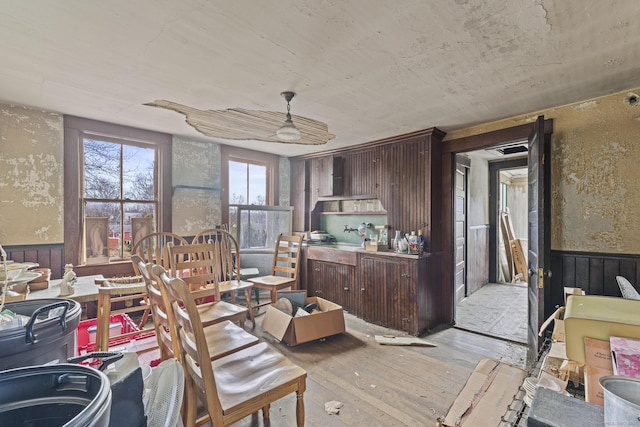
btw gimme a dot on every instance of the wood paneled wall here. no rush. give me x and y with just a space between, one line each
595 273
47 256
477 257
52 256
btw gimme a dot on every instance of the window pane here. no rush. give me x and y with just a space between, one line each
257 185
260 228
138 178
134 230
238 191
102 244
101 169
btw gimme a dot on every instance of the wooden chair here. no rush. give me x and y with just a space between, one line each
242 273
284 270
223 338
237 385
196 265
109 294
154 248
227 263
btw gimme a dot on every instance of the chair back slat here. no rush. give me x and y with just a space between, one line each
152 248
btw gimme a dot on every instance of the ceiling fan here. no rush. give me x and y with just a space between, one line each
258 125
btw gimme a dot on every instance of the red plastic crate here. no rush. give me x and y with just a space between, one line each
86 345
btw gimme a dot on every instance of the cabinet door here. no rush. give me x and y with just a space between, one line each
331 281
388 293
327 176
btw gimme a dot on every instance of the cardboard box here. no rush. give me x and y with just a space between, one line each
598 317
558 325
571 291
486 396
298 330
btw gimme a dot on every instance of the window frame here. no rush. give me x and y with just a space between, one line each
270 161
75 130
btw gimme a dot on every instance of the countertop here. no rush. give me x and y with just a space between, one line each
349 247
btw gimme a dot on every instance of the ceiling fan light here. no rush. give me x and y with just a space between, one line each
288 131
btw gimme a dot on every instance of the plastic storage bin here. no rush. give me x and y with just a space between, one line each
118 324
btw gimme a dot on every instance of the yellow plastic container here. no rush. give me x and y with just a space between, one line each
598 317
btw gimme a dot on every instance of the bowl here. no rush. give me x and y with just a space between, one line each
12 273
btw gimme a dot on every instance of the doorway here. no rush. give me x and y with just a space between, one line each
490 293
538 135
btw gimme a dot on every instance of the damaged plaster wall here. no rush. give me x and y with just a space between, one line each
31 176
196 164
595 178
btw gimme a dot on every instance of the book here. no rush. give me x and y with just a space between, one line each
625 354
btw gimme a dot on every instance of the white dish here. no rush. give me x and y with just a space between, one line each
25 277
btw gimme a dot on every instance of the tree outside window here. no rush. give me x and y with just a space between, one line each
119 183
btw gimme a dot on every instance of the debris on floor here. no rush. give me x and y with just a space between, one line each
333 407
394 340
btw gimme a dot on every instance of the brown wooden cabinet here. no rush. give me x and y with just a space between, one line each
389 288
382 288
332 282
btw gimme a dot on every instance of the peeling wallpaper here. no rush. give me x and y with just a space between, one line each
31 176
594 180
595 173
195 164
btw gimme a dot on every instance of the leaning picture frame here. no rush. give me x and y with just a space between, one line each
140 227
96 238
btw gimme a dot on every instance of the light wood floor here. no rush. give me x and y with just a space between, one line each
383 385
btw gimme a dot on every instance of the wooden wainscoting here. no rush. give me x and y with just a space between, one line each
595 273
52 256
477 257
49 256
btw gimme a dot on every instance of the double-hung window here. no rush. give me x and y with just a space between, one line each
117 189
120 196
250 180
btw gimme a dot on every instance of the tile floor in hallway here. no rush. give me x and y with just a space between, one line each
496 309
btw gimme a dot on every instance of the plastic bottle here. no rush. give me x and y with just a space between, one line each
422 244
413 243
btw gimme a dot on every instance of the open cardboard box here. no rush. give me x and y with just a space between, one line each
298 330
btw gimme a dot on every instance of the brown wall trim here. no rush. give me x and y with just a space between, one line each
368 145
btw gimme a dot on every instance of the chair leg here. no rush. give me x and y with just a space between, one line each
247 295
299 408
256 291
265 411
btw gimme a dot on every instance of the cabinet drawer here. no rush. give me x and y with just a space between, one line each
332 255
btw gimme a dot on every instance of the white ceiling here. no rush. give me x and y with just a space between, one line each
369 69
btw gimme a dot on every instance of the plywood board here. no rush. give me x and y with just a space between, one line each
394 340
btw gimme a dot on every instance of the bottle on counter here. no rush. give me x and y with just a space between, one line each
422 243
413 243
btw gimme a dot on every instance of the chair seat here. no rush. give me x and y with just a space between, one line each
272 281
216 312
234 285
260 368
226 337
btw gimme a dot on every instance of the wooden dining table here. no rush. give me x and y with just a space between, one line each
85 291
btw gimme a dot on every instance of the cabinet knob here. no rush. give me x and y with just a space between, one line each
346 288
407 275
362 289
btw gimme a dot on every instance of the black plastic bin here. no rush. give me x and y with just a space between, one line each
47 337
54 395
